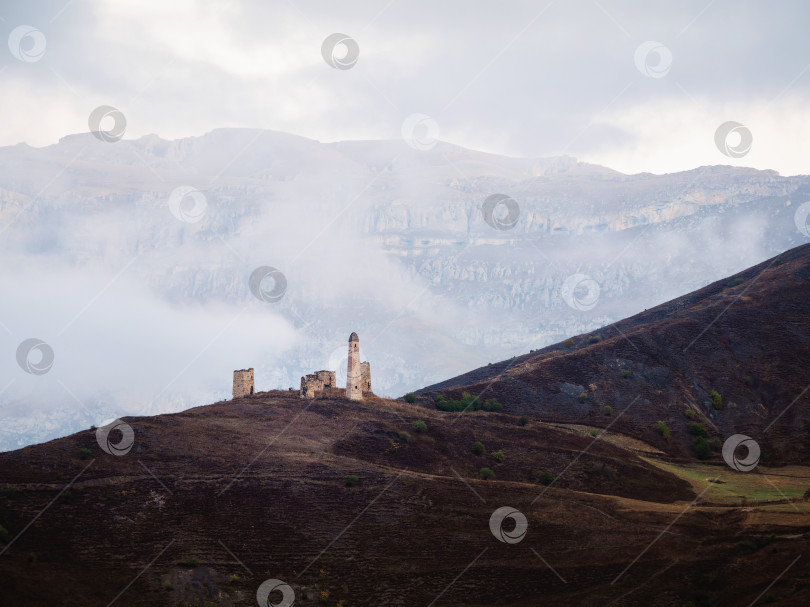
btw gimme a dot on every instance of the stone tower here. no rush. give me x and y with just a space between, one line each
243 383
354 372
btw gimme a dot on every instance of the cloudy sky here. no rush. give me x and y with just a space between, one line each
519 78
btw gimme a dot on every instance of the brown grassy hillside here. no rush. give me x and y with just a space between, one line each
746 337
212 501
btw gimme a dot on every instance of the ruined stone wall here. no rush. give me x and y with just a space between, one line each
318 383
365 378
243 383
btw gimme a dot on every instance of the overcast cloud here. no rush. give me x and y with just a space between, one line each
518 78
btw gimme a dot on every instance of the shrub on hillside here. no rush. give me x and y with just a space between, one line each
499 456
583 396
569 343
3 534
523 420
701 448
626 373
546 478
410 397
698 429
352 480
607 410
84 453
662 429
717 400
478 447
468 402
715 444
690 413
404 437
419 426
487 474
594 339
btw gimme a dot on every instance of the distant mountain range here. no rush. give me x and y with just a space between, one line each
135 284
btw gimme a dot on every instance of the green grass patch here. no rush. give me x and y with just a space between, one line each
753 487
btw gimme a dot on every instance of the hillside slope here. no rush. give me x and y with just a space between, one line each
746 337
212 501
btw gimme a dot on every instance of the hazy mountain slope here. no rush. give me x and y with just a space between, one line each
746 337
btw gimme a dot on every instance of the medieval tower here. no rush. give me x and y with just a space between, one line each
354 373
243 383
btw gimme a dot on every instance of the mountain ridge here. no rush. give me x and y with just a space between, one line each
650 348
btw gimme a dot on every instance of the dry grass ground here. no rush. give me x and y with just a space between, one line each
255 488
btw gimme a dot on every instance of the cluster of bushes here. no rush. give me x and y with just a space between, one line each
717 400
410 397
478 449
468 402
701 446
419 426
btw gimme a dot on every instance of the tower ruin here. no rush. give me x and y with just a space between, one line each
243 383
322 384
317 383
354 373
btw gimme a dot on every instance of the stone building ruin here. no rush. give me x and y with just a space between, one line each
358 377
243 383
317 383
321 383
